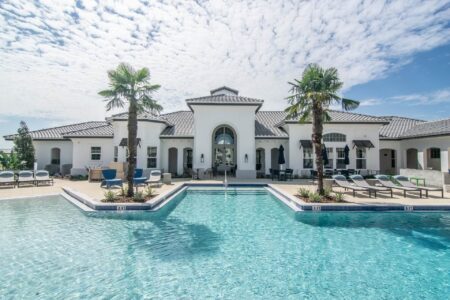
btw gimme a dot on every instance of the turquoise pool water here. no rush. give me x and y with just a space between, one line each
211 244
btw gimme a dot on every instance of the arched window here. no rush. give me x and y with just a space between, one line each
224 136
55 154
334 137
224 147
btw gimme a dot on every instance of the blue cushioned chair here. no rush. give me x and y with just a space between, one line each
138 179
109 178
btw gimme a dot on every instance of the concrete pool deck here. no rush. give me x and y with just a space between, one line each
288 189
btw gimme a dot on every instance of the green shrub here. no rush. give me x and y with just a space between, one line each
110 196
123 191
339 197
315 197
327 192
139 196
149 191
303 192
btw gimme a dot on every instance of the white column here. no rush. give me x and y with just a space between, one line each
445 161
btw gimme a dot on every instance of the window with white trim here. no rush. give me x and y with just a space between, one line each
435 153
96 153
361 156
340 158
334 137
151 157
307 158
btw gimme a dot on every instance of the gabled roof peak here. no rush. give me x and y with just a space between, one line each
224 90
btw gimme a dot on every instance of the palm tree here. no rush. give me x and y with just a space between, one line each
312 97
133 87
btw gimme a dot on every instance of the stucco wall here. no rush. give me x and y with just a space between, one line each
422 144
180 144
82 154
43 152
148 132
370 132
241 118
268 145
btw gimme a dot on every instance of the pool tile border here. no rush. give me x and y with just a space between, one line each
294 203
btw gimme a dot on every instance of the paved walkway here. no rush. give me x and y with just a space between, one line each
93 190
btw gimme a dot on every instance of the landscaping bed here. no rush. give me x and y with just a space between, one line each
120 196
313 197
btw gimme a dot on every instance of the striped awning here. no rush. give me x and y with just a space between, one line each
124 142
363 144
306 143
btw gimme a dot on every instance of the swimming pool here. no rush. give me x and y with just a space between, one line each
240 244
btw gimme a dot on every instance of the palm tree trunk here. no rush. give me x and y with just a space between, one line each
132 137
317 129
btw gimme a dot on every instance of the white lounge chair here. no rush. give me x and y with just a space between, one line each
342 182
404 181
7 178
25 177
361 182
43 176
384 181
155 177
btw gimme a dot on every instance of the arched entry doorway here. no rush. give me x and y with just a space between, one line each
388 161
260 162
412 161
55 156
187 160
224 148
274 159
173 160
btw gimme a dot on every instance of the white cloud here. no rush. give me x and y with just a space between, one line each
54 55
370 102
430 98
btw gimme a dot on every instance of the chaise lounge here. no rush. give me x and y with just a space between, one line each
43 177
25 177
384 181
7 179
342 182
361 182
403 180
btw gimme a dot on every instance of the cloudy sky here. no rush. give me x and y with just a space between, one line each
394 56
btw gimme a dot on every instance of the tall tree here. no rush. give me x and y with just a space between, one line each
23 146
132 87
310 101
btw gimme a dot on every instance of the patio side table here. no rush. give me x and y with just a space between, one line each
417 180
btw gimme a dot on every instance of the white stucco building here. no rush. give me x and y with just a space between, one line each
226 131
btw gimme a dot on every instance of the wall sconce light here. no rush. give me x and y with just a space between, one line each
202 158
246 157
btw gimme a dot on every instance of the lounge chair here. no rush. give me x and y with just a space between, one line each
25 177
342 182
43 176
361 182
109 179
138 179
384 181
7 178
404 181
155 177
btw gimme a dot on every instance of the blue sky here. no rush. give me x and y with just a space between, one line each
394 56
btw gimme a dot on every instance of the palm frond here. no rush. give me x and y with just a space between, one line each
348 104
